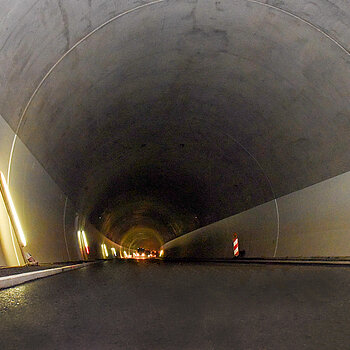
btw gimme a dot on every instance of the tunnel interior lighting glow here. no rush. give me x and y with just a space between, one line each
161 253
11 211
81 243
85 242
104 250
79 238
114 252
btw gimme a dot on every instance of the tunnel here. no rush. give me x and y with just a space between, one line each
174 125
212 136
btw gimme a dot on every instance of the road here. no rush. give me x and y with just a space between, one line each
158 305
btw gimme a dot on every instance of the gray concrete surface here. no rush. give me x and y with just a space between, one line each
49 218
312 222
129 305
20 278
207 108
9 271
200 74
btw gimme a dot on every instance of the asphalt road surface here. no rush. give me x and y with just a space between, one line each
158 305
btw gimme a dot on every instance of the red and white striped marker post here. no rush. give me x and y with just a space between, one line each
235 245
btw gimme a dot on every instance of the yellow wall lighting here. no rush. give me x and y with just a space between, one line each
11 211
114 251
104 250
79 240
161 253
85 242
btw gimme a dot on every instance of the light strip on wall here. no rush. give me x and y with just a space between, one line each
85 242
80 241
104 250
11 210
114 251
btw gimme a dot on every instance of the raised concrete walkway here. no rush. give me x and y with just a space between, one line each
17 277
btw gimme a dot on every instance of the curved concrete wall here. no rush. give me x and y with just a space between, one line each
313 222
47 216
214 108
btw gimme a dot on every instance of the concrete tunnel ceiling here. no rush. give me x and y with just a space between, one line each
181 113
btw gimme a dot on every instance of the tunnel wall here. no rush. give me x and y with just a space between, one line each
33 37
36 35
47 216
9 250
313 222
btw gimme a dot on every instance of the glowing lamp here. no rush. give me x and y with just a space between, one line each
85 242
114 252
11 211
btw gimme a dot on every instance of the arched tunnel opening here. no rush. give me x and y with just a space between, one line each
153 121
175 127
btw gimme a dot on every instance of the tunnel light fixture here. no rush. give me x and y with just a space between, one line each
114 252
104 250
125 254
82 245
79 239
161 253
11 211
85 242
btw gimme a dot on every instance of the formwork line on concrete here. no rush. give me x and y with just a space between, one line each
56 64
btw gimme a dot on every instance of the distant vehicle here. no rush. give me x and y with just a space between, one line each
154 254
147 253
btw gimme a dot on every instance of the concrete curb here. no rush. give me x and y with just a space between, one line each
265 261
14 280
295 262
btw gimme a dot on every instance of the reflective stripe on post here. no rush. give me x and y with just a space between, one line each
235 245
